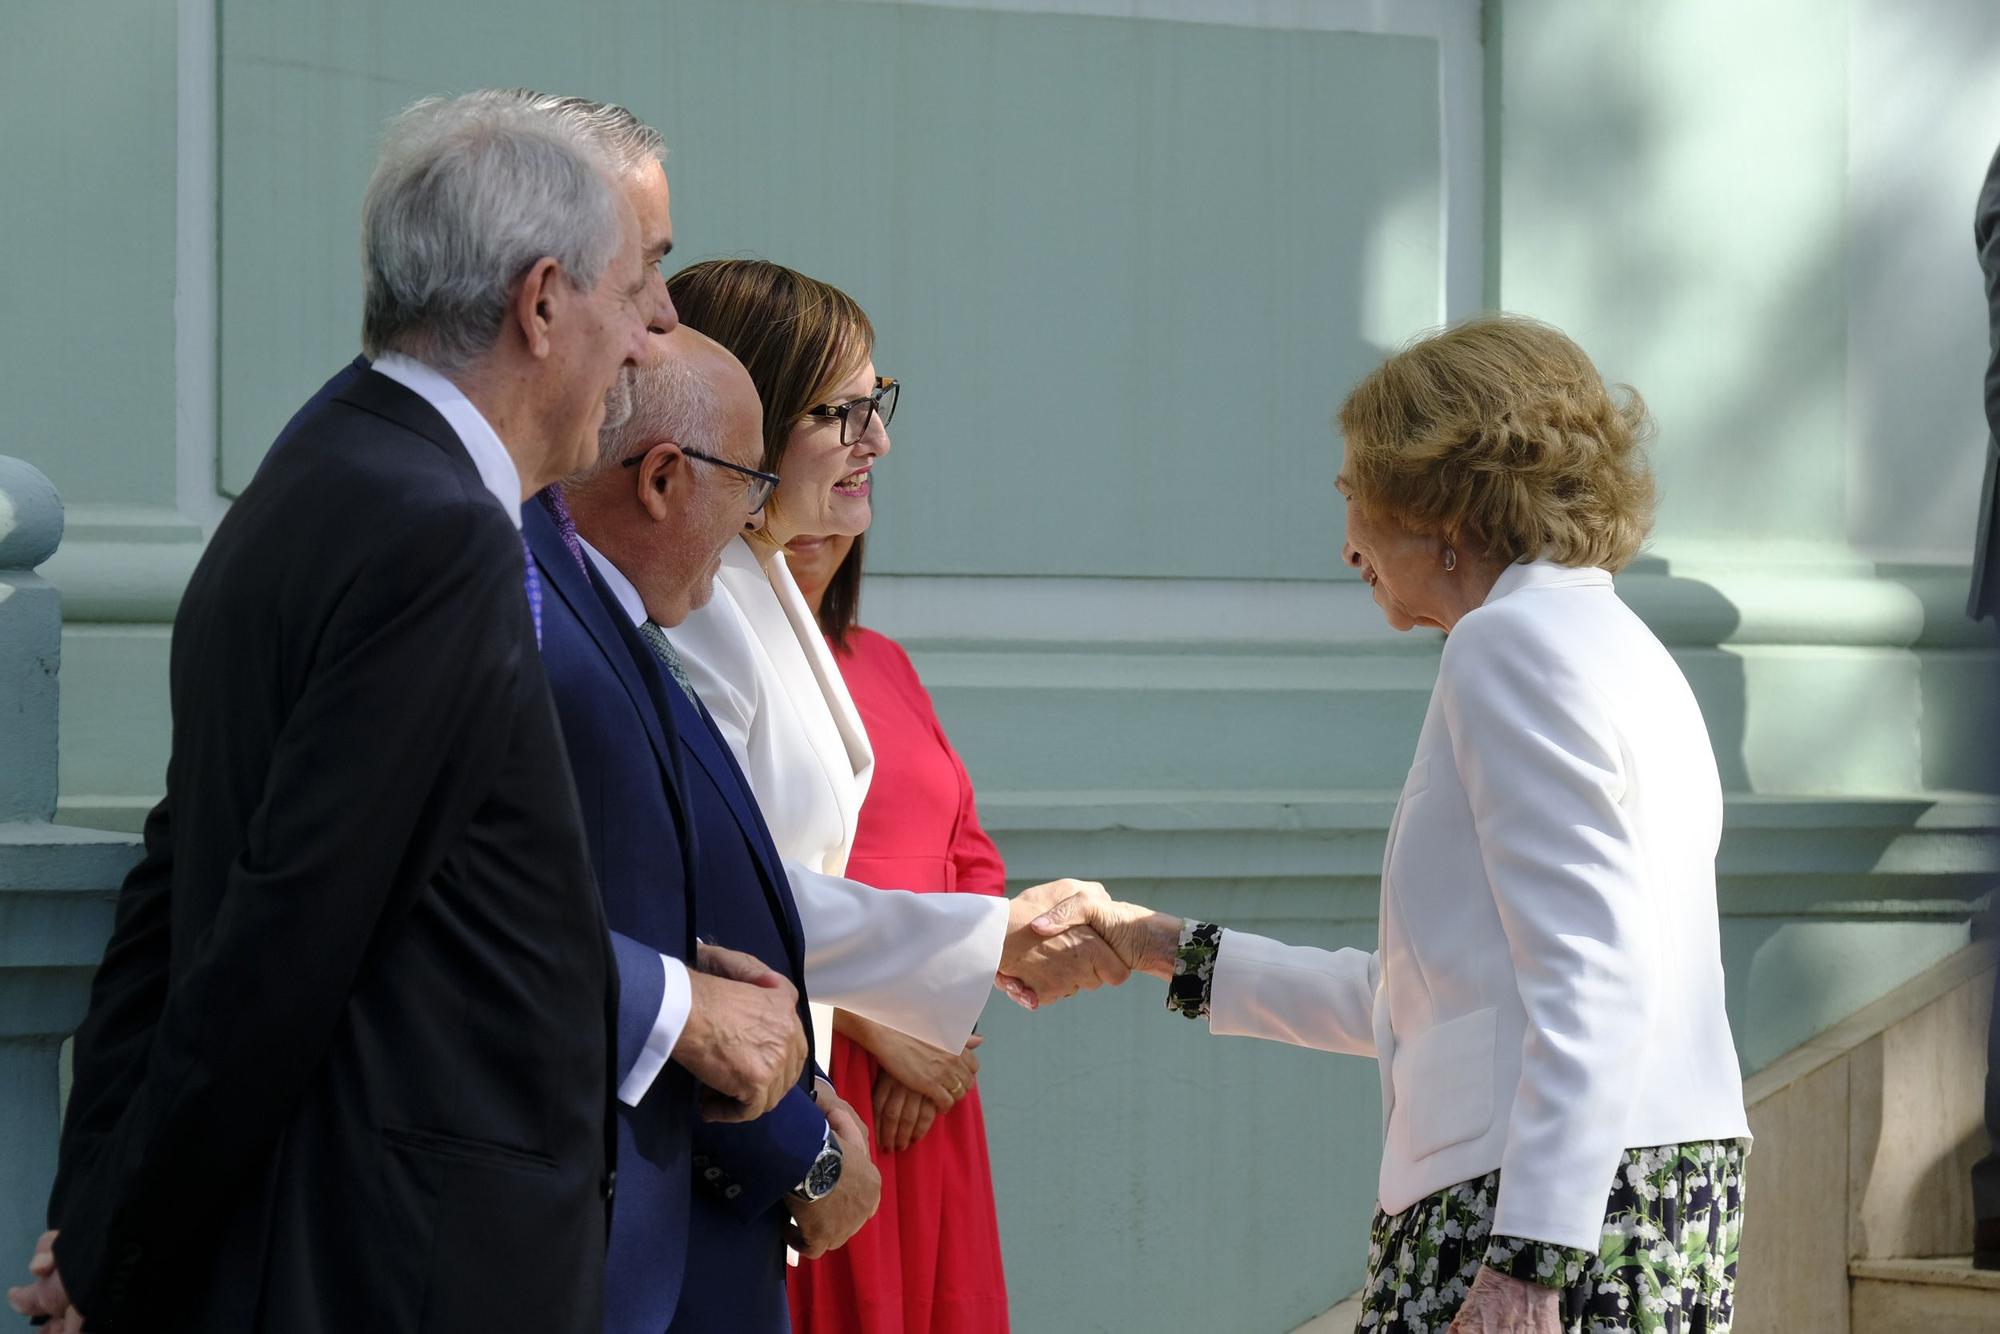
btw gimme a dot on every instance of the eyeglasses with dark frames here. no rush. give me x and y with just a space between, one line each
855 416
762 484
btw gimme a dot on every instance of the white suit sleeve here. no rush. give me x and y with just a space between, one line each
1308 997
922 964
1543 768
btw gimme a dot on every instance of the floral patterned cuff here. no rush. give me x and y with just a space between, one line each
1194 969
1541 1262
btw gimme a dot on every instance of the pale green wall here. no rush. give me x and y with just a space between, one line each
1118 296
88 212
1186 238
1671 191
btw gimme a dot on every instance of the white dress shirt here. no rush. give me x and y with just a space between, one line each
922 964
1547 990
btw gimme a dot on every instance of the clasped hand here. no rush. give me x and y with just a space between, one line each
821 1225
743 1038
43 1296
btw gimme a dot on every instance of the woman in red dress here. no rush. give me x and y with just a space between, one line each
929 1261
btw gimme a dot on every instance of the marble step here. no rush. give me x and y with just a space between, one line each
1936 1296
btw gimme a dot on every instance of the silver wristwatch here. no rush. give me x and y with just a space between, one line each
824 1174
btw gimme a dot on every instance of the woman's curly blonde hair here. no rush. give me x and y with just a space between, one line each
1499 434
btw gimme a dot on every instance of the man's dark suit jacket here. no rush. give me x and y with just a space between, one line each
1986 550
346 1064
667 809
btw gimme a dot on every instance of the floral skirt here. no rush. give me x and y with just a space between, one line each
1667 1260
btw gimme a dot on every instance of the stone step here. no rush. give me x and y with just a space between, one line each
1936 1296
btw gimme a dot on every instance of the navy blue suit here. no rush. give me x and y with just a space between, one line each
665 809
740 1218
627 769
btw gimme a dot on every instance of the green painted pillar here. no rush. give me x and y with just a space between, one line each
56 883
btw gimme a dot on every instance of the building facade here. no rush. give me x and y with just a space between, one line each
1126 257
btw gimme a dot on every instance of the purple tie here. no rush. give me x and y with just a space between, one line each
558 508
533 581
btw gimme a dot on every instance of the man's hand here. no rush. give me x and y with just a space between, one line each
743 1039
1050 965
44 1297
1498 1304
823 1225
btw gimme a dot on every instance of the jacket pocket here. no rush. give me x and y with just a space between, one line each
499 1238
464 1149
1444 1083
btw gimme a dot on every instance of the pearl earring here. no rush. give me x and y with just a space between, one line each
1450 559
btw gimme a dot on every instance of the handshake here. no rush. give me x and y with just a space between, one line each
744 1043
1068 936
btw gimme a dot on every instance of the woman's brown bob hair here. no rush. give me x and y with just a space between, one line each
1499 435
799 338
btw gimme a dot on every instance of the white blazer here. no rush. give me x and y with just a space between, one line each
920 963
1547 988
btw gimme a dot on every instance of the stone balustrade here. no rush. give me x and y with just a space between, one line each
57 883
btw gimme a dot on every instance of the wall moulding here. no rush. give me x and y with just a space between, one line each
1942 849
1741 601
127 564
124 564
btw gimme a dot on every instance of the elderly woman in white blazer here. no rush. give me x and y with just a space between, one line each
1563 1115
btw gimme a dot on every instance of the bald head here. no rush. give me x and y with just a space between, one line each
655 503
693 393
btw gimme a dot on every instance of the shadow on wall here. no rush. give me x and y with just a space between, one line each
1918 327
1620 223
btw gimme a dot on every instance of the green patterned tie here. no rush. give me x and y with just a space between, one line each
656 638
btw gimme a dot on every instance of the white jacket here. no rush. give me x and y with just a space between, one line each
1547 988
920 963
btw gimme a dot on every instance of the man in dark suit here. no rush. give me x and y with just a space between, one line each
666 813
1985 601
348 1059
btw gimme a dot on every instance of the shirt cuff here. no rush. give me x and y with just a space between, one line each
1194 969
1539 1262
676 1001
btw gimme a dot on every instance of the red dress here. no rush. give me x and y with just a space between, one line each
930 1258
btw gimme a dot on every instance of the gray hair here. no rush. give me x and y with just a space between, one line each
673 399
468 193
627 142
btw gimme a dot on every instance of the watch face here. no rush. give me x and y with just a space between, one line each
825 1175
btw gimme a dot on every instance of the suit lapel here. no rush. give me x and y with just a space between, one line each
782 622
561 578
706 747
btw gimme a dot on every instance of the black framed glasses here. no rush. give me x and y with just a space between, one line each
855 416
762 484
